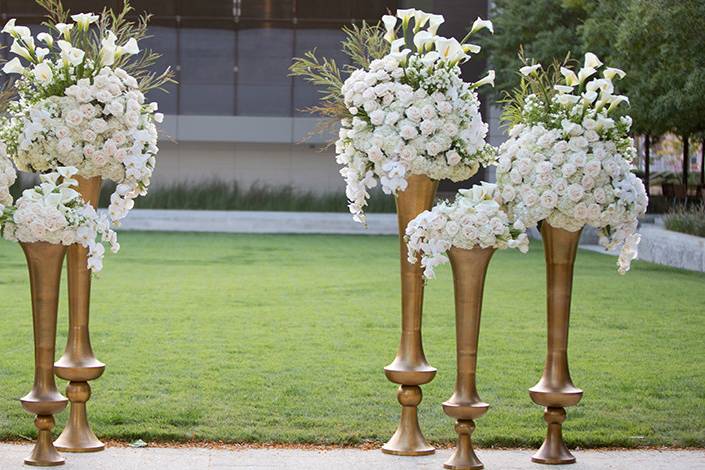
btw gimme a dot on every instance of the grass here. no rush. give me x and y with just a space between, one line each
283 339
690 220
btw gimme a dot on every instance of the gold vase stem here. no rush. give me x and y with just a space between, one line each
79 364
410 367
469 271
555 390
44 262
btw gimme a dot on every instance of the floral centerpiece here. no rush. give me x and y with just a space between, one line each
404 109
568 159
475 219
54 212
81 100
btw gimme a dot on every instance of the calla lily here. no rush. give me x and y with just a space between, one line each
529 69
471 48
591 61
84 20
108 49
422 39
570 78
390 23
16 31
589 97
14 66
397 45
563 89
46 38
611 72
130 48
20 51
481 24
602 84
488 80
405 16
585 73
420 19
41 53
616 101
449 49
567 99
71 55
64 29
43 73
434 21
9 27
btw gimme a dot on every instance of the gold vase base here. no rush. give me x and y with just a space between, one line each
44 454
464 457
407 439
553 451
77 436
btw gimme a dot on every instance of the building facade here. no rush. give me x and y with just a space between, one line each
236 114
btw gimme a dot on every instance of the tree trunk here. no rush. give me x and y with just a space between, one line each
647 164
686 161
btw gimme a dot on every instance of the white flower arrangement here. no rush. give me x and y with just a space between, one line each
568 159
410 113
475 219
54 212
80 107
7 177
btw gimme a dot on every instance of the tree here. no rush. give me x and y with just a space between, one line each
659 44
546 29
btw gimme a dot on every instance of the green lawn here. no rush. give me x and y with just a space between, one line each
283 339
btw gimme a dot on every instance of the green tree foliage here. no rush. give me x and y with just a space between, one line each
546 29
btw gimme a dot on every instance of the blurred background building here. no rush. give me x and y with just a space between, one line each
235 114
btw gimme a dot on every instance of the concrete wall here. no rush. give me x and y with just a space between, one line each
302 166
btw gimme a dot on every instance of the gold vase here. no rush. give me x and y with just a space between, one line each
410 368
555 390
44 262
465 405
79 365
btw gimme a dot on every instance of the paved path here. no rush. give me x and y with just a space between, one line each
11 457
257 222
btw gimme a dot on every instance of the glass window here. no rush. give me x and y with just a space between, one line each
207 76
22 8
263 82
164 40
326 40
85 6
372 10
266 9
323 9
207 8
164 8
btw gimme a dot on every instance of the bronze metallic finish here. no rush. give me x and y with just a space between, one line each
555 390
465 405
410 368
79 364
44 261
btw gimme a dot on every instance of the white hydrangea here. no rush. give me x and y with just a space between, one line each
475 219
54 212
410 114
7 177
572 166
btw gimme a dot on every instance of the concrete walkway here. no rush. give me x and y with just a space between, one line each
11 458
257 222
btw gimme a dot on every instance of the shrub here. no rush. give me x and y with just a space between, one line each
687 220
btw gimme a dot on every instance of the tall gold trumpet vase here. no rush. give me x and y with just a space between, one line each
410 368
79 365
555 390
465 405
44 261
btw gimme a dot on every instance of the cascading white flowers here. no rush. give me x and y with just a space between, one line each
54 212
411 113
78 107
568 159
7 178
476 218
